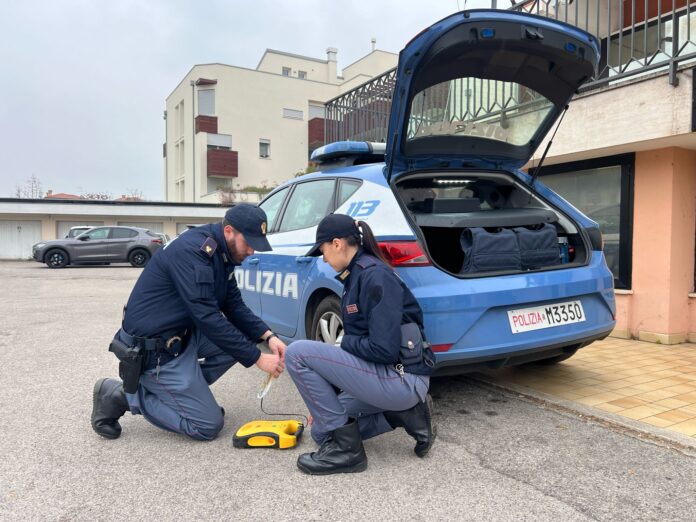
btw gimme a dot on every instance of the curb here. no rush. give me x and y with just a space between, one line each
633 428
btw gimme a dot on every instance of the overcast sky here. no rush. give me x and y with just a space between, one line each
83 83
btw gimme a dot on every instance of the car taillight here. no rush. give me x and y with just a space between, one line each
158 241
404 253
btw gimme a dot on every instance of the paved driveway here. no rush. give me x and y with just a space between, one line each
497 457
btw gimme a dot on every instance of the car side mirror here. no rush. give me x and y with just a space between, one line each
83 238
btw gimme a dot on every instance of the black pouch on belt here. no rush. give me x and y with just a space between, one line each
131 364
411 351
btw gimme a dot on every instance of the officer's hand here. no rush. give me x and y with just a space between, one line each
278 347
270 363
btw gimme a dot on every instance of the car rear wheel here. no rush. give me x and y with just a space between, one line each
327 325
56 258
139 258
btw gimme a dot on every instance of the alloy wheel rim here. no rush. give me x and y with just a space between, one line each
139 259
330 329
56 259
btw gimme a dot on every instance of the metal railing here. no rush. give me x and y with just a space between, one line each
363 113
638 37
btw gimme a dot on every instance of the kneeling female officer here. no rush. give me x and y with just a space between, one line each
378 392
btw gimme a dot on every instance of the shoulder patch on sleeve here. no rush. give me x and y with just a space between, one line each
366 261
209 246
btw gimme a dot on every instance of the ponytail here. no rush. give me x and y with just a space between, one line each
369 243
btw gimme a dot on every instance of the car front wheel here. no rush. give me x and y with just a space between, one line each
327 325
139 258
56 258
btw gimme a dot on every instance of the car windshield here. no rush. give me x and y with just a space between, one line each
490 109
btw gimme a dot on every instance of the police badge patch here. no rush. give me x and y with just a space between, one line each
209 246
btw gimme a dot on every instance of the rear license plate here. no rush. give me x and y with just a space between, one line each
538 317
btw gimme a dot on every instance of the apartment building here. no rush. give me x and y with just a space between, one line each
234 128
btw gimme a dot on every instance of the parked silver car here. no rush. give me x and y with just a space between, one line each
100 245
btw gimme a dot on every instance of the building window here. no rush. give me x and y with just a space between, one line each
316 111
602 189
179 120
302 75
264 148
206 102
292 114
286 71
180 156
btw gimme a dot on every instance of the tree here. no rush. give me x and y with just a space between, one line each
31 189
135 194
312 167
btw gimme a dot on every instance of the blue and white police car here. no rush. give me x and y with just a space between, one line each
505 270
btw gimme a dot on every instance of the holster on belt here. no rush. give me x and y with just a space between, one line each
131 364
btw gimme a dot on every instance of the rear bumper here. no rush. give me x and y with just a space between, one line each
472 315
492 362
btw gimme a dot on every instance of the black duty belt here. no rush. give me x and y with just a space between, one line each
172 344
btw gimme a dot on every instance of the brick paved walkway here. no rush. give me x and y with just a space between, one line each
648 382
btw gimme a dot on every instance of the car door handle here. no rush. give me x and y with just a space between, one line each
304 259
253 261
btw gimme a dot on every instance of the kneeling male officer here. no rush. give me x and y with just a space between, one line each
184 307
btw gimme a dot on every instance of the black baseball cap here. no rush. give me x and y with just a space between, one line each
251 221
331 227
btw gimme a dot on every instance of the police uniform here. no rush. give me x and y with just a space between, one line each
374 305
184 307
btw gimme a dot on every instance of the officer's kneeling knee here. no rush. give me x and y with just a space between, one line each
293 355
208 430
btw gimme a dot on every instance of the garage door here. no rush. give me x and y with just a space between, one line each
17 238
62 227
153 227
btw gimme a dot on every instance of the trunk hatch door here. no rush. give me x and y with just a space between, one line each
481 89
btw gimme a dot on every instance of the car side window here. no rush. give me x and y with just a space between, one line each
309 203
346 189
98 233
123 233
272 205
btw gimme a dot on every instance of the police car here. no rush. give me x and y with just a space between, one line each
505 270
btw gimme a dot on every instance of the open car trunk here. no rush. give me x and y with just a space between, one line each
488 223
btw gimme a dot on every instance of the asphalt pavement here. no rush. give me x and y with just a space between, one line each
498 456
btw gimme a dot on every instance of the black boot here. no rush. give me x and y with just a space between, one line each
341 452
418 423
109 404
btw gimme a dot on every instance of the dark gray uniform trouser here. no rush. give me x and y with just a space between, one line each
179 399
367 388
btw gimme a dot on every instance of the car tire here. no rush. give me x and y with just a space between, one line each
327 325
139 258
56 258
556 359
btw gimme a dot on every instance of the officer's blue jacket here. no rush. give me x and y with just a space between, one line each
374 305
190 283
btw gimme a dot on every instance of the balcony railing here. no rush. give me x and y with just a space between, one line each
638 37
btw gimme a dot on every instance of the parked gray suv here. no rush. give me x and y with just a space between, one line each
100 245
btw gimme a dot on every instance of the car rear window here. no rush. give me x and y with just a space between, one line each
123 233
